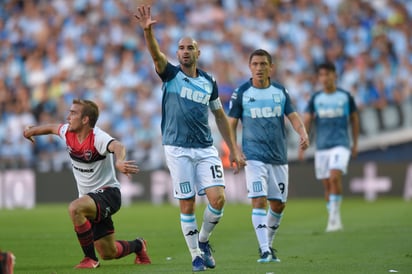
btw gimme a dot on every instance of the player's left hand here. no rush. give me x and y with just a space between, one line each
127 167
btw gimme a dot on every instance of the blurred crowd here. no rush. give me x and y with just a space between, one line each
52 51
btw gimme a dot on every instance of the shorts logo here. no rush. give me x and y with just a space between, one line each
257 186
185 187
107 212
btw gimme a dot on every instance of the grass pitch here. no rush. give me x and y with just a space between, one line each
377 239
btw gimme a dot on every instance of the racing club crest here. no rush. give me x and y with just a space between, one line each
276 98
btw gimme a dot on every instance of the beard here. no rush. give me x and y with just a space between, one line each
186 62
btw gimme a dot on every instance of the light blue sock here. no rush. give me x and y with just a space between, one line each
334 206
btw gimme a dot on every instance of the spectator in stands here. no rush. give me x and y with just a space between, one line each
64 44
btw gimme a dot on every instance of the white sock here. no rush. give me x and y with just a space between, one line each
334 207
273 225
190 232
259 223
211 217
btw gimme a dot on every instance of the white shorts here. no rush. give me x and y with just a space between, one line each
328 159
267 180
193 170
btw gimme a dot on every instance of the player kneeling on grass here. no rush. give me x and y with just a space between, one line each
91 151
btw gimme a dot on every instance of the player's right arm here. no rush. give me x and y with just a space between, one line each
31 131
144 17
307 121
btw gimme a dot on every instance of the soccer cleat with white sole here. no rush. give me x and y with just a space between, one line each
334 226
88 263
265 257
274 257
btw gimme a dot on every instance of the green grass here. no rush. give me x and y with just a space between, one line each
376 239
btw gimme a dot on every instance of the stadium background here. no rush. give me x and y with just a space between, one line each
54 51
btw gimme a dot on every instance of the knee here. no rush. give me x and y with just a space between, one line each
74 209
187 206
259 202
334 179
277 206
106 253
218 202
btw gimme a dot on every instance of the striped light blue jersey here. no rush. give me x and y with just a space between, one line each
262 112
185 108
332 112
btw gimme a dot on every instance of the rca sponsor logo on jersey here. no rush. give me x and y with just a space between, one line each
195 95
266 112
331 112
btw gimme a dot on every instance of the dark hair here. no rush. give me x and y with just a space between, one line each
329 66
261 52
90 109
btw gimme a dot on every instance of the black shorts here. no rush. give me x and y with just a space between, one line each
108 201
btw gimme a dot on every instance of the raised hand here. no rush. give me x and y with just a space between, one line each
144 17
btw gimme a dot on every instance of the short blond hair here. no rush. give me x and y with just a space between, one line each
90 109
